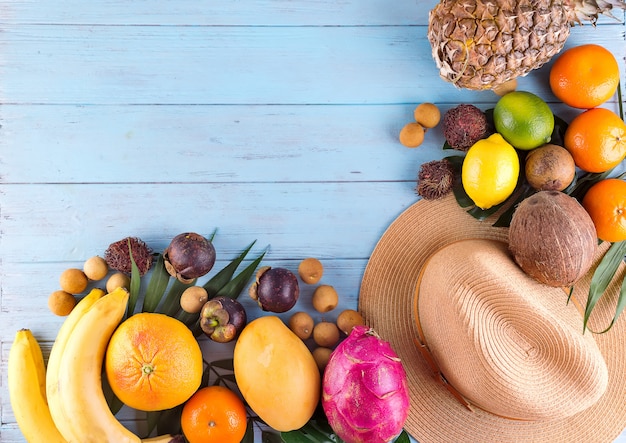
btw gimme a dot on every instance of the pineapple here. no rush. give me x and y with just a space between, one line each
480 44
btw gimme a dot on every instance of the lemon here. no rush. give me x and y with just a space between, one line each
490 171
523 119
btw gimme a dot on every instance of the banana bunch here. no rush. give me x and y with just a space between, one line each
66 403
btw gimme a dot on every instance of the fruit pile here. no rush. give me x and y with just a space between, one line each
145 331
552 182
138 345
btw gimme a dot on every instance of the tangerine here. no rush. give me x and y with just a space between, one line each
153 362
606 204
596 139
584 76
214 414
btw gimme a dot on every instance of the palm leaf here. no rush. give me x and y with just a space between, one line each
270 437
601 278
171 302
248 437
159 280
219 280
233 288
135 283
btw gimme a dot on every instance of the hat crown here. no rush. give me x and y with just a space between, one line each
507 343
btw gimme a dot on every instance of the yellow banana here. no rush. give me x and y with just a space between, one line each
27 392
54 360
82 402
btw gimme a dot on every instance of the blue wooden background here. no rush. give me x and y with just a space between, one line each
271 120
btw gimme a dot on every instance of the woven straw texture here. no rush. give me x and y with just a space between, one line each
386 302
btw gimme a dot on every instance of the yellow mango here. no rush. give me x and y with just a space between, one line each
276 374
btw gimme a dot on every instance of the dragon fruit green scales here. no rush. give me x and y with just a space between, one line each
364 390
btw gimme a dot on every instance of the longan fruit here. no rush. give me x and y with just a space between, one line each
348 319
61 303
118 280
325 298
95 268
505 87
73 280
193 299
301 323
427 115
321 356
412 135
326 334
310 270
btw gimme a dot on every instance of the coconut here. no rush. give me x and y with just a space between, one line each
552 238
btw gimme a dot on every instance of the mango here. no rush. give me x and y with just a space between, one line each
276 374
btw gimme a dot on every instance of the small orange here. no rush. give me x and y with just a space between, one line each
153 362
596 139
606 204
584 76
214 414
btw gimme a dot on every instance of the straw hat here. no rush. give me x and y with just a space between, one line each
526 372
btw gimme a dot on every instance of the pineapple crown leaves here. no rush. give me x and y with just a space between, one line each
581 11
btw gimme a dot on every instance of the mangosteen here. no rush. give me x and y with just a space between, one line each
464 125
222 319
189 256
275 289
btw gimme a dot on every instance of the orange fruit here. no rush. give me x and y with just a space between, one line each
606 204
153 362
214 414
584 76
596 139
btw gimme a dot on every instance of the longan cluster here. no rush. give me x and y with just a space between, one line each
74 281
325 334
427 116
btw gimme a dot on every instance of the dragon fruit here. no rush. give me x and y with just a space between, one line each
364 390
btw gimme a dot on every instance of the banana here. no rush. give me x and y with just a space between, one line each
27 390
81 400
82 413
54 360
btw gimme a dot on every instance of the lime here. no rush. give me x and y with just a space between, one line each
490 171
523 119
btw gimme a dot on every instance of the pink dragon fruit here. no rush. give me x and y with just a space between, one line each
364 390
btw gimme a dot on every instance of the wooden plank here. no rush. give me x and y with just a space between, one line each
58 223
257 65
210 144
220 13
232 13
199 144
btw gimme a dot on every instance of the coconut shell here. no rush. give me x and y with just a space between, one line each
552 238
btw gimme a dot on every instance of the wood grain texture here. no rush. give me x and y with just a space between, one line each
85 64
271 120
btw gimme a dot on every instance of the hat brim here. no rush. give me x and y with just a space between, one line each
386 301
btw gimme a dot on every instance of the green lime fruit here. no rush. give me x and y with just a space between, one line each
524 120
490 171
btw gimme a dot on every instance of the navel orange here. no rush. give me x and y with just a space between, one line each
214 414
606 204
596 139
584 76
153 362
